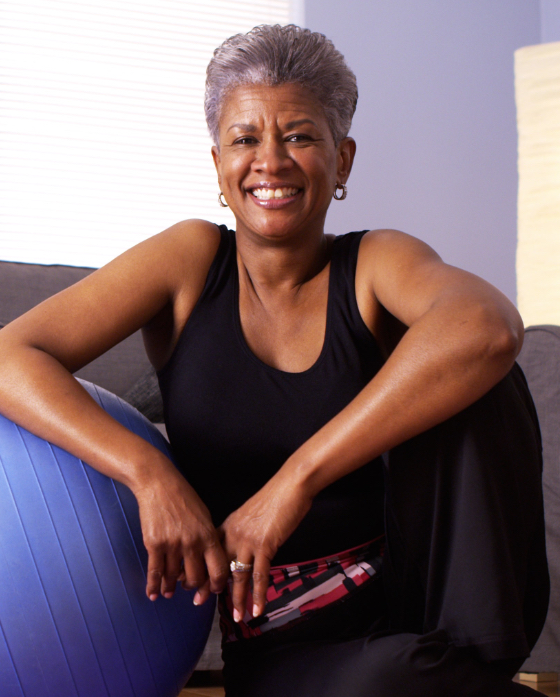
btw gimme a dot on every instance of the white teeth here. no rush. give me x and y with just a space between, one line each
266 194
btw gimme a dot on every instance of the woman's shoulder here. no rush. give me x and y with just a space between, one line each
389 253
192 242
181 256
392 268
390 240
172 263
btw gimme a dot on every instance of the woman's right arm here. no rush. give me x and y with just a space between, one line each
154 285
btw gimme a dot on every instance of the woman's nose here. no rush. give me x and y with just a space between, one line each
272 156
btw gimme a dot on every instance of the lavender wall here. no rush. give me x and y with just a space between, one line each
550 21
435 126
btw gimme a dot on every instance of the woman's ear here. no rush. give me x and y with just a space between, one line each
346 150
217 163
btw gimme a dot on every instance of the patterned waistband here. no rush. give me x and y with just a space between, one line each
297 590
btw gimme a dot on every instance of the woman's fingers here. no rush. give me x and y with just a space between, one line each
261 570
218 572
156 567
218 567
164 571
254 580
183 545
189 568
241 587
202 593
195 570
207 573
173 570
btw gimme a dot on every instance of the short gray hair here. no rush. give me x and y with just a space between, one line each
276 55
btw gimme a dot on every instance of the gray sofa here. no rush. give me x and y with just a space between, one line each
540 360
124 370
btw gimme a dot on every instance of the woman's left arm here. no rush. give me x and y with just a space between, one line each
463 336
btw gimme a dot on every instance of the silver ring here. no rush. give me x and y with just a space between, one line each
237 567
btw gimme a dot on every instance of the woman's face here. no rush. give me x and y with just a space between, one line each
277 162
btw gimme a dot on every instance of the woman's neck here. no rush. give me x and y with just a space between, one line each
272 267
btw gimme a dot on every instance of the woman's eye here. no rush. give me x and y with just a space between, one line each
245 140
299 138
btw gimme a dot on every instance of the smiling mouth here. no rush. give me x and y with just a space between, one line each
279 193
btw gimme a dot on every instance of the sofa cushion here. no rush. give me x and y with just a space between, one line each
146 397
23 286
26 285
540 360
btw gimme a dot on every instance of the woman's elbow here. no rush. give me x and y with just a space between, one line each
503 337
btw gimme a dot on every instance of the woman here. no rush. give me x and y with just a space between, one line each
289 361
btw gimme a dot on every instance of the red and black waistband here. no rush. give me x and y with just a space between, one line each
295 591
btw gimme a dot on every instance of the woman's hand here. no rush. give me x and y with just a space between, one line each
181 540
253 533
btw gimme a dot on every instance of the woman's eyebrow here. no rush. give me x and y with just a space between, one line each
243 126
249 127
299 122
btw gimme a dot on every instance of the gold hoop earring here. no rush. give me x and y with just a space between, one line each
222 203
344 189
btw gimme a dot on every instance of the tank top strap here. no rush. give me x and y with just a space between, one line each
344 306
220 275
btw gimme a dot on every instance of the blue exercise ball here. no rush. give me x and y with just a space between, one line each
74 617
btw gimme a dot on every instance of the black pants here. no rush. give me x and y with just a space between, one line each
464 591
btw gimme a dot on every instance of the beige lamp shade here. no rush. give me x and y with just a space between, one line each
537 91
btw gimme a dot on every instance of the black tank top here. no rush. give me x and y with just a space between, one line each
233 420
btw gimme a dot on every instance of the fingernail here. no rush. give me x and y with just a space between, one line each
256 611
168 595
153 596
236 615
197 599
